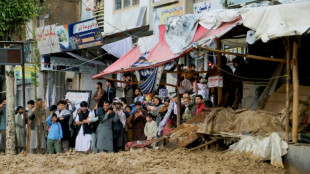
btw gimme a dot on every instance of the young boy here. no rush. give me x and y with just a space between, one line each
54 134
63 116
150 128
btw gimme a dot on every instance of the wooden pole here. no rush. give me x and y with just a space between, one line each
203 145
296 93
288 54
178 95
246 55
134 83
219 64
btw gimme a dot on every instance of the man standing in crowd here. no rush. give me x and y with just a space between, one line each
100 93
110 91
189 109
20 129
3 122
37 138
63 116
104 134
129 90
84 138
138 121
200 106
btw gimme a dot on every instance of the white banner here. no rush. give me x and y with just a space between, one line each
47 39
85 26
202 7
215 81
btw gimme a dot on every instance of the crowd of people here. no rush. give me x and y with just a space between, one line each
113 121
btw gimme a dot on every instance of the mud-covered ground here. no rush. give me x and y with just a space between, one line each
149 161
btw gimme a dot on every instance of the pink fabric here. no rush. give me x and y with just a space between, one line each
124 62
161 53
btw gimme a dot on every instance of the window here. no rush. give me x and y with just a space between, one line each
126 3
123 4
118 4
135 2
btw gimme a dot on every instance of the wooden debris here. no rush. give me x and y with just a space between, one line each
203 145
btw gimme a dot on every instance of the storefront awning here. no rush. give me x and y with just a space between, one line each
161 53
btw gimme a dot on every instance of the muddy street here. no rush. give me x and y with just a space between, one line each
149 161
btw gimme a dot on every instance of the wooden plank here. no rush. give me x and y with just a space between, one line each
295 92
184 141
183 138
180 132
203 145
246 55
178 95
175 130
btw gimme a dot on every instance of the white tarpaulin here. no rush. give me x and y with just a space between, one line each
278 20
267 148
47 39
119 48
180 31
213 19
147 43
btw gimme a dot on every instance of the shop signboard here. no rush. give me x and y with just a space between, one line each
163 93
206 6
11 56
47 39
237 2
161 13
30 69
215 81
79 35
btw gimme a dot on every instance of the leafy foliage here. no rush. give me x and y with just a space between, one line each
14 14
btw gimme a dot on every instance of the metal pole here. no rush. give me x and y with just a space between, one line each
24 86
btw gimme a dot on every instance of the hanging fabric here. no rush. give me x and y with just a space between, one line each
149 79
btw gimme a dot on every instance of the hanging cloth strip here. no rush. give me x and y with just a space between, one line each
149 79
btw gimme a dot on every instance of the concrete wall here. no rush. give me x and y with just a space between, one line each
89 84
297 161
125 18
62 11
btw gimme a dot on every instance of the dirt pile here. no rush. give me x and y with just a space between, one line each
149 161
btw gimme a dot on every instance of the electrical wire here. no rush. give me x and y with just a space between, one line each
132 35
252 78
84 62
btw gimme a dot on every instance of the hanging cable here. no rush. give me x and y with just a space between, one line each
246 78
85 62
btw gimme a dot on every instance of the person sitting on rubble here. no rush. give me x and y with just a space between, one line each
200 106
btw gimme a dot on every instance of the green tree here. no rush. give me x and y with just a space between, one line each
14 15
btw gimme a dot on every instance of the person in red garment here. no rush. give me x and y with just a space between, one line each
200 106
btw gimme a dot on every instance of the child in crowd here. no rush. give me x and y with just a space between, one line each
150 128
201 87
54 134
